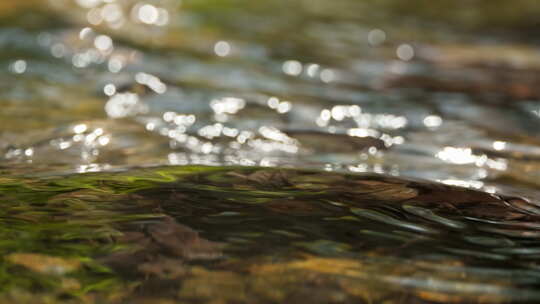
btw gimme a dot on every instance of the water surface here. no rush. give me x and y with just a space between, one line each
137 141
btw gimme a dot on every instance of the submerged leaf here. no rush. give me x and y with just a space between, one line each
182 241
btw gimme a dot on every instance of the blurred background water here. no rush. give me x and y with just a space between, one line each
447 91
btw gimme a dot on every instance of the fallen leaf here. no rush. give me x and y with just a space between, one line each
183 241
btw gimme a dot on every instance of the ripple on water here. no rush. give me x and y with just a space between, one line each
346 86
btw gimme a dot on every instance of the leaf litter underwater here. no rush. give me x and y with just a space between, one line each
198 234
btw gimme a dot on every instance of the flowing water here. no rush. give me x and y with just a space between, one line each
297 151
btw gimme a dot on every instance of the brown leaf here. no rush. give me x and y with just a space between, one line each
183 241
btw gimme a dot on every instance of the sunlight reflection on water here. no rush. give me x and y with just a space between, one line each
344 101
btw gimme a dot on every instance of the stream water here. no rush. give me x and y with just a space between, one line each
231 151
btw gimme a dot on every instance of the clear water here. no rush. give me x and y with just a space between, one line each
371 95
